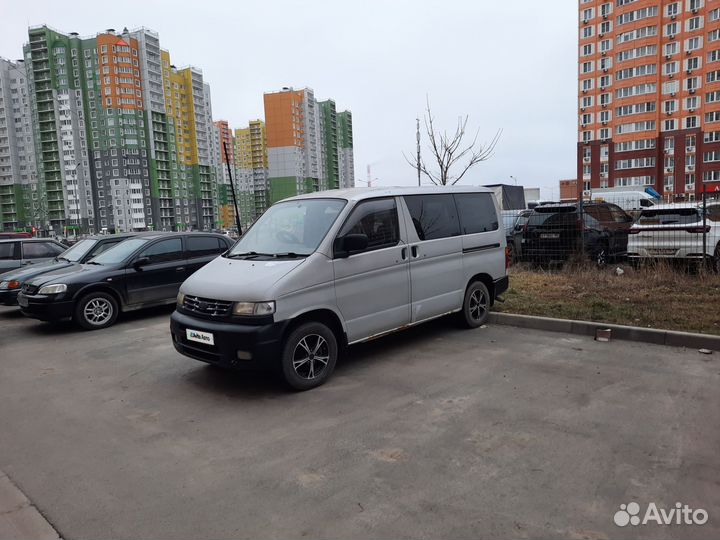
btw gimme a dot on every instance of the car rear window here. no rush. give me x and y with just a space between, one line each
670 216
7 250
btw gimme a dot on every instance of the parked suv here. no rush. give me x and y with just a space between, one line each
140 272
18 252
322 270
675 231
81 252
555 232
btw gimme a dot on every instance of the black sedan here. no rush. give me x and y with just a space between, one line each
81 252
143 271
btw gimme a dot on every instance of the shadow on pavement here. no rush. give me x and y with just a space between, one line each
256 383
10 312
68 327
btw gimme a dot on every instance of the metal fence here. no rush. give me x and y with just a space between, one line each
624 230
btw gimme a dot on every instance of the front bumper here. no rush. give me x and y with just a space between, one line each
45 307
236 345
8 297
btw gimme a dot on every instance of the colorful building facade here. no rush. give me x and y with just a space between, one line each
649 96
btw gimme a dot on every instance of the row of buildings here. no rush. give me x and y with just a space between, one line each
649 96
106 134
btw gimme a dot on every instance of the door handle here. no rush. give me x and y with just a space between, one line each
414 251
180 269
403 253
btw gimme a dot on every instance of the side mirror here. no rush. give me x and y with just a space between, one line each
350 243
142 261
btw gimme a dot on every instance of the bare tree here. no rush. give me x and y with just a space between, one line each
450 151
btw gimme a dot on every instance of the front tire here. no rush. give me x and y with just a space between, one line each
716 259
96 310
476 306
309 356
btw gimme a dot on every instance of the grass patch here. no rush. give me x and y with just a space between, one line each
659 296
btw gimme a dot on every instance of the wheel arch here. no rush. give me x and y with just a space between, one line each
99 287
485 279
323 315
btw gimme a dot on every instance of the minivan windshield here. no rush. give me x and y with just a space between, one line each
289 229
120 252
77 251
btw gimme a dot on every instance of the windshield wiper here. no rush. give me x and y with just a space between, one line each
290 255
93 262
62 259
245 255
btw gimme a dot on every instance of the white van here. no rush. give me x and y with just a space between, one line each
320 271
627 200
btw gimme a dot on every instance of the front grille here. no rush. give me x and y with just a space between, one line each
30 289
207 306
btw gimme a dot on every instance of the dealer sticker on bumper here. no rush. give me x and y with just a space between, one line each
201 337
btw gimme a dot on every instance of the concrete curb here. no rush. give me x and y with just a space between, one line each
629 333
19 518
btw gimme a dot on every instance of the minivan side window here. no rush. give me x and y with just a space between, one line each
378 220
477 212
434 216
201 246
165 250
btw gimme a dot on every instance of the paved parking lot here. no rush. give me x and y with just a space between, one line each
436 432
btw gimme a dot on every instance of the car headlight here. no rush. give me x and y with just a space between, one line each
57 288
4 285
13 284
180 298
253 308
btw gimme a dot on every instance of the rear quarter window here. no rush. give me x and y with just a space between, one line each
477 213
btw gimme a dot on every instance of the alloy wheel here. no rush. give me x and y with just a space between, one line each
311 356
477 305
98 311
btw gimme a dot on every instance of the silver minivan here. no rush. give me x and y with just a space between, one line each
324 270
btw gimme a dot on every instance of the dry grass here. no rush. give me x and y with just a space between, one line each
654 297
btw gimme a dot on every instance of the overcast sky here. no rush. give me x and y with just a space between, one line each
509 65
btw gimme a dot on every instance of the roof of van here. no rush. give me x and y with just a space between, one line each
356 194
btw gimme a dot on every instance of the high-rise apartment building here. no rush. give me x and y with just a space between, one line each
251 161
123 140
346 161
294 155
649 95
302 141
19 206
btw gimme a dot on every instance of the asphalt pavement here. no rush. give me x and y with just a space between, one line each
497 432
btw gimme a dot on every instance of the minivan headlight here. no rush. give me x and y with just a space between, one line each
56 288
253 308
180 298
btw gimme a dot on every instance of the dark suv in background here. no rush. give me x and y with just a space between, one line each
82 251
143 271
554 232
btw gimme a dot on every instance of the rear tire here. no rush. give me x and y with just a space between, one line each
476 305
96 310
716 259
309 356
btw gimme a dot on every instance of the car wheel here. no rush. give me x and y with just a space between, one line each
96 310
476 306
716 259
309 356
